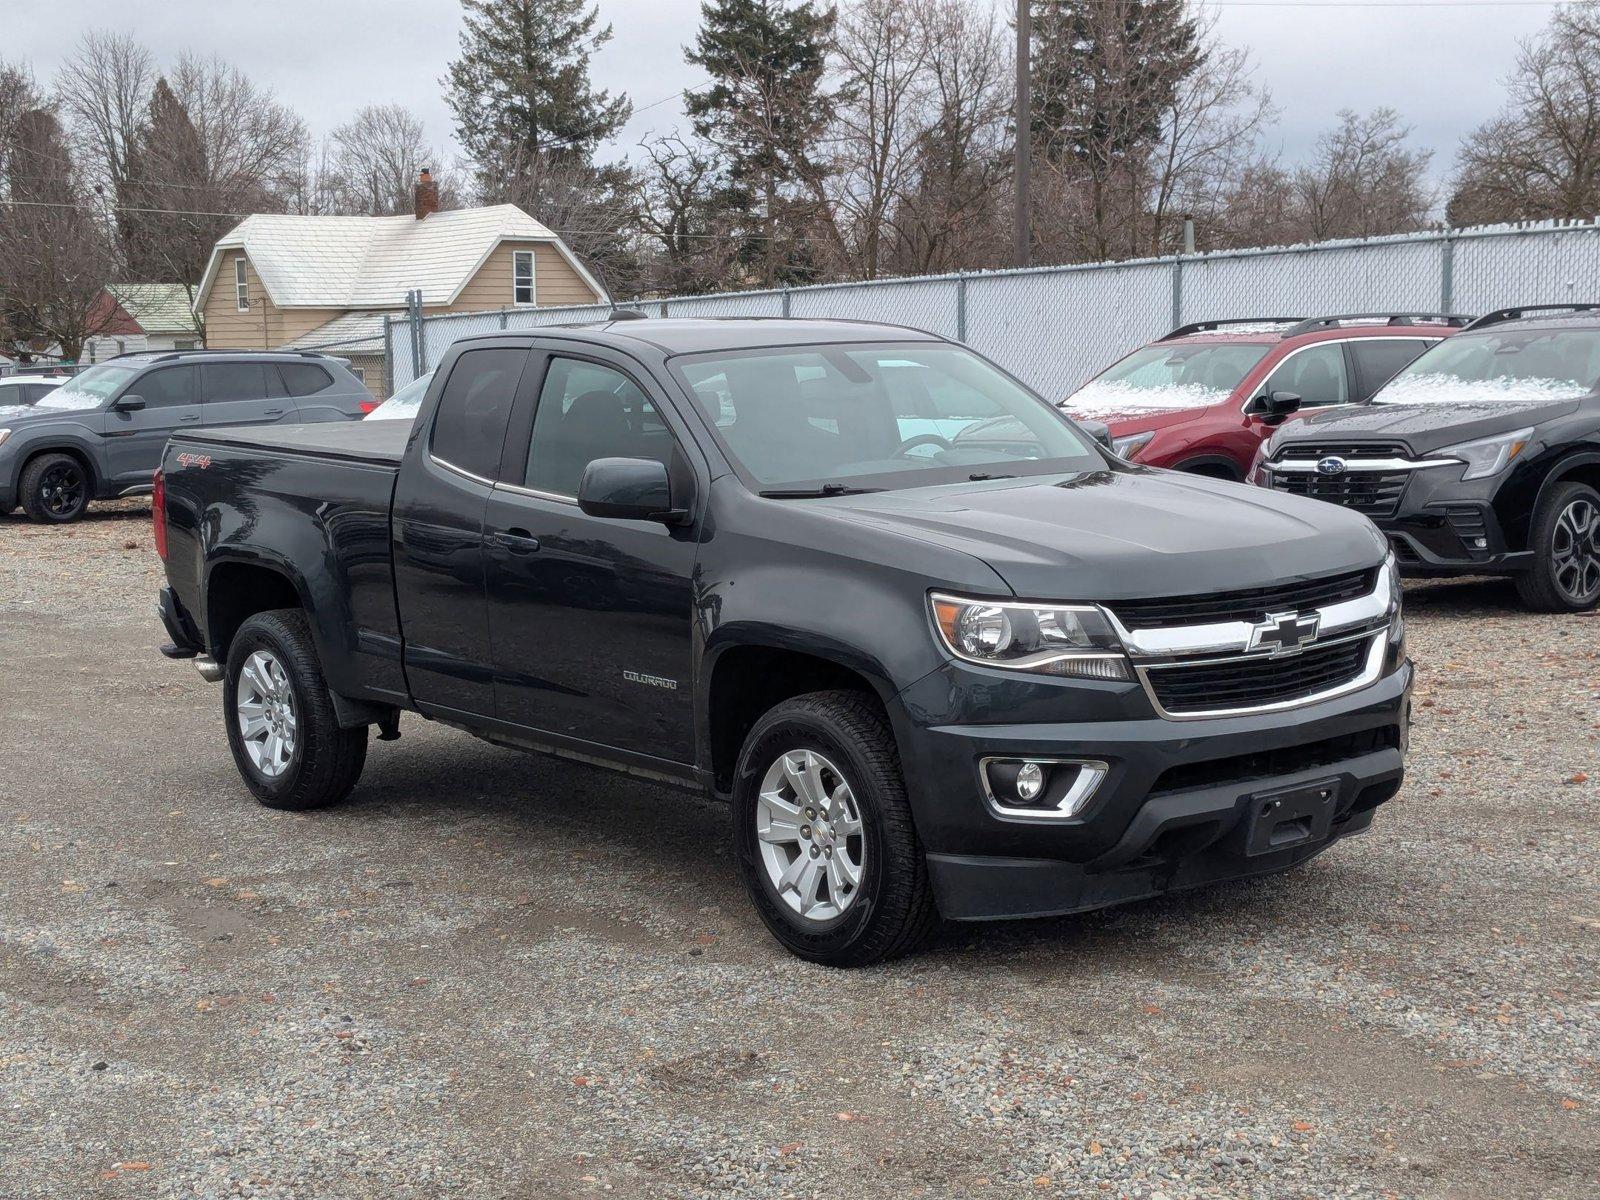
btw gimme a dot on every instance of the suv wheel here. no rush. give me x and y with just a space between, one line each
1565 576
824 835
285 738
55 489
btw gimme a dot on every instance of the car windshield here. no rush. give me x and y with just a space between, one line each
403 405
878 416
1181 375
88 390
1517 366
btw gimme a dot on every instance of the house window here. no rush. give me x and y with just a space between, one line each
522 276
241 288
359 372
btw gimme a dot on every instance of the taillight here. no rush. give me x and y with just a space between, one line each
158 513
367 406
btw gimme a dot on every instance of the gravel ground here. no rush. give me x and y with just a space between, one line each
492 975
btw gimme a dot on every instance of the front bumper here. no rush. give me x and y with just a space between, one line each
1173 812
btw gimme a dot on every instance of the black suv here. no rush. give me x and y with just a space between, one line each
100 434
1481 457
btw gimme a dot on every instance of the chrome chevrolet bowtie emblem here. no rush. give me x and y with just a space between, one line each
1284 633
1332 465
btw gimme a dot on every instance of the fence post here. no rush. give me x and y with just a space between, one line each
786 302
1447 273
961 307
502 318
388 356
1177 291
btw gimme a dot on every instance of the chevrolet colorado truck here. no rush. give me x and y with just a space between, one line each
942 652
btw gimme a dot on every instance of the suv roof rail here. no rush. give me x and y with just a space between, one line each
1502 315
1455 320
1215 326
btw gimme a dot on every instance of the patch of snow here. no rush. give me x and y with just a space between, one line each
1095 398
1435 388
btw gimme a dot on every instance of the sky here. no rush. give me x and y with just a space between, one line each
1440 64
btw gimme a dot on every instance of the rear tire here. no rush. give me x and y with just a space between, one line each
1565 540
54 489
285 737
858 794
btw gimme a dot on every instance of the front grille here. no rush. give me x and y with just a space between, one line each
1217 685
1264 764
1370 493
1249 605
1312 451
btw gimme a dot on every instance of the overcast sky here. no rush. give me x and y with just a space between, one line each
1441 69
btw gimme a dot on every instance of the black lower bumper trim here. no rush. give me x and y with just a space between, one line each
1177 841
184 643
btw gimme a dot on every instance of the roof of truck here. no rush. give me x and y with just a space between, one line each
696 335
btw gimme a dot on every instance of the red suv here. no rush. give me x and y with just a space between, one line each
1205 396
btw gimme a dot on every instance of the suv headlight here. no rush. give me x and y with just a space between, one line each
1048 639
4 434
1130 444
1490 455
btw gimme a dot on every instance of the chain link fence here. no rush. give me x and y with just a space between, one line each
1055 327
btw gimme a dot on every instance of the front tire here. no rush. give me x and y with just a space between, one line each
285 737
54 489
824 834
1565 539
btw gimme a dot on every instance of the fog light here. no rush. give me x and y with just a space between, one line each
1479 543
1030 782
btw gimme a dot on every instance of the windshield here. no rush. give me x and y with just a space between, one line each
1170 377
1517 366
89 390
403 405
878 416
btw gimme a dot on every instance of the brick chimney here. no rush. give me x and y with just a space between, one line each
425 196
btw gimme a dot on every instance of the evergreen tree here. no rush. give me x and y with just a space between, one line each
167 149
765 112
521 86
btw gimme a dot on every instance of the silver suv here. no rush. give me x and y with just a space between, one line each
100 434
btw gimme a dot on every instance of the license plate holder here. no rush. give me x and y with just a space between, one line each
1290 817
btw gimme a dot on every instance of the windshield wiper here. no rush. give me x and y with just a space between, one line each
979 477
827 489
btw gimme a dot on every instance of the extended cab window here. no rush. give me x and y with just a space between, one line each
469 427
587 411
1316 374
165 388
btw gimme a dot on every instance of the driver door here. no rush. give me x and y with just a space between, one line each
135 440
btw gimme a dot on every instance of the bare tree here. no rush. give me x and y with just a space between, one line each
693 236
1363 181
372 163
1540 158
103 90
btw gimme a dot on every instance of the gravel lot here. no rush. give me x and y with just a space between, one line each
492 975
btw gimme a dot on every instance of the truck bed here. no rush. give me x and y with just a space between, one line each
378 442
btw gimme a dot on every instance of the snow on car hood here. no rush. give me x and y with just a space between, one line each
9 411
1447 389
1098 401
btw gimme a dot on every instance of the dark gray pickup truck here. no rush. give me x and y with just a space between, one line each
943 652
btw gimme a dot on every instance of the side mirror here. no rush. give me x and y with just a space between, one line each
1100 432
1275 406
128 404
628 489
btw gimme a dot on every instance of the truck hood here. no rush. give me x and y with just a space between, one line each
1126 534
1423 427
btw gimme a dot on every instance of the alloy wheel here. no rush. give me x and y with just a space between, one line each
264 701
62 489
811 837
1575 550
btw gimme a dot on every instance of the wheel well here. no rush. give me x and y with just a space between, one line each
235 593
1213 469
749 681
1588 473
72 452
1515 507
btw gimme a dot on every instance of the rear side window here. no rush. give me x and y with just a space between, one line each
164 388
469 426
37 391
236 381
1379 360
305 379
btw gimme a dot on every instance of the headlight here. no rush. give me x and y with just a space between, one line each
1391 566
1488 456
1127 447
1053 639
4 434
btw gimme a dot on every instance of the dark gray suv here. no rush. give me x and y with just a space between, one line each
100 435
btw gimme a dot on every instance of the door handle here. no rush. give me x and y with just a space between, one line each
188 420
517 541
273 412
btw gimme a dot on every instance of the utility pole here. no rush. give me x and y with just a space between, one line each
1021 218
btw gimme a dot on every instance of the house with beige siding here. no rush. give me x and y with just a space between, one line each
279 281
